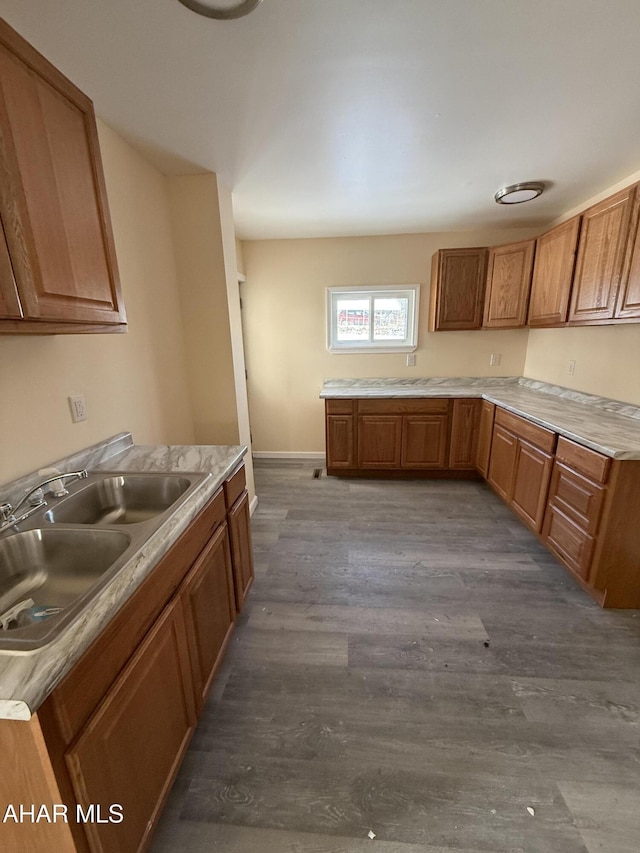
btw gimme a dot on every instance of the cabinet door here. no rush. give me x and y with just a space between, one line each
601 250
502 465
425 441
628 304
531 484
458 282
553 274
379 441
508 285
131 748
340 442
210 611
568 541
52 194
241 548
485 435
9 299
464 433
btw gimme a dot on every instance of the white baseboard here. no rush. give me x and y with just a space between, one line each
285 454
253 505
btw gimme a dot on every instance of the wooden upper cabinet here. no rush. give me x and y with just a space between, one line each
458 281
9 299
53 198
508 285
628 303
601 254
553 274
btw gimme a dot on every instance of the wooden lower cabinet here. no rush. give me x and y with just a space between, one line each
210 609
485 434
424 441
340 444
464 434
568 541
379 441
113 732
531 484
504 448
129 752
241 549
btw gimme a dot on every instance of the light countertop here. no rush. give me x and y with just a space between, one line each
607 426
27 678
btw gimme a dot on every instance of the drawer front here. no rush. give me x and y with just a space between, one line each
587 462
339 407
534 434
401 406
234 486
568 541
577 497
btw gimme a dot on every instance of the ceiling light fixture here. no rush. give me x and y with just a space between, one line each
517 193
223 10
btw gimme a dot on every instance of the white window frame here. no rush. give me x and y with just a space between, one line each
392 291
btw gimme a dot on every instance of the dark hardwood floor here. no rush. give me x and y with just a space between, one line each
411 662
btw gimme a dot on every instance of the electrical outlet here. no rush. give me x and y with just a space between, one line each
494 359
571 367
78 408
411 359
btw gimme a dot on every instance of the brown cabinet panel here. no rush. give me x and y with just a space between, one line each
502 466
464 433
9 299
424 441
553 274
379 441
628 303
568 541
485 435
601 252
340 441
577 497
131 748
404 406
588 462
52 194
458 282
534 434
508 285
531 484
210 610
234 486
241 548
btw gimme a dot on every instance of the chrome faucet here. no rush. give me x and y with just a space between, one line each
35 498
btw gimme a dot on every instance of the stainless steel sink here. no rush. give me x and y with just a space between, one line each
54 568
63 555
121 499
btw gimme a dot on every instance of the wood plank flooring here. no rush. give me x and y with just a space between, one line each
411 662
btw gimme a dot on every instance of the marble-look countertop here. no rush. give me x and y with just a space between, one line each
607 426
27 678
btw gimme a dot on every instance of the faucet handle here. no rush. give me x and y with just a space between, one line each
6 511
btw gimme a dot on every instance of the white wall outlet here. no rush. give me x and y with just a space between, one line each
411 359
494 359
78 408
571 367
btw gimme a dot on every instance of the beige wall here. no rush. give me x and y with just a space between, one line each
607 357
285 330
131 382
203 297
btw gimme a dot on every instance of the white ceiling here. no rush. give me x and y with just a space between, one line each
343 117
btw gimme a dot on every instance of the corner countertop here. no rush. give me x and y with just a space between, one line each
27 678
607 426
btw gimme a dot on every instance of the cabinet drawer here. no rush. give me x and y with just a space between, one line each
534 434
587 462
577 497
339 407
234 486
400 406
568 541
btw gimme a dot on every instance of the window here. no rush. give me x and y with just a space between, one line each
372 319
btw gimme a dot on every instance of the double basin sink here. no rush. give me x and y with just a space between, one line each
54 564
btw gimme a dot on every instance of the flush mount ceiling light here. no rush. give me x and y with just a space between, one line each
223 10
517 193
